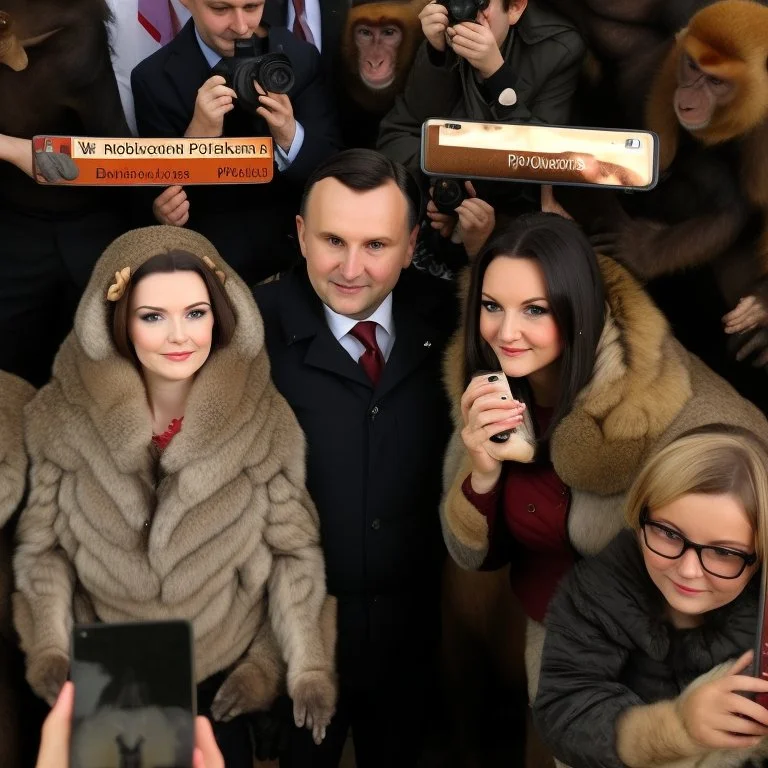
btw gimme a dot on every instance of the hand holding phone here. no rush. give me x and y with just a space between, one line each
494 428
58 727
134 695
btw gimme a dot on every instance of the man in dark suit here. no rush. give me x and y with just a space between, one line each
355 348
325 20
177 94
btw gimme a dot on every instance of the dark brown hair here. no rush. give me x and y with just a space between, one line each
574 290
364 169
224 318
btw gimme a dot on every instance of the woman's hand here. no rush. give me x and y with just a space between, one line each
716 715
487 409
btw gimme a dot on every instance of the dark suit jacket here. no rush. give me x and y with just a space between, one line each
333 15
374 465
249 224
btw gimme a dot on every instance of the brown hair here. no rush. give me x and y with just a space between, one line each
224 318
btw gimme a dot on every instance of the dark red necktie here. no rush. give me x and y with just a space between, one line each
372 361
300 24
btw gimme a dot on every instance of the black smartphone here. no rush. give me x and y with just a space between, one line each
760 661
134 695
499 437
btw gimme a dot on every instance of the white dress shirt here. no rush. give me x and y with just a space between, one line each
341 325
282 158
312 9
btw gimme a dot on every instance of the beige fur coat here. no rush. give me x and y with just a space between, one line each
14 394
220 532
645 390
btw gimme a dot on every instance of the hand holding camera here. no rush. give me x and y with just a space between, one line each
214 100
453 203
434 22
475 42
277 110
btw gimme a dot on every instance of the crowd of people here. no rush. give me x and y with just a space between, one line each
272 411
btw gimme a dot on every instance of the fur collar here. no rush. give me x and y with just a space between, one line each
641 381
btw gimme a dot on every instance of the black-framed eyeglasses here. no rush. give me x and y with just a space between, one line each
723 562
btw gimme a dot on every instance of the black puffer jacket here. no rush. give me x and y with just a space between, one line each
609 648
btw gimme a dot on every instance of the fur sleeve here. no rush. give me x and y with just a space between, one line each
42 604
465 529
654 736
299 609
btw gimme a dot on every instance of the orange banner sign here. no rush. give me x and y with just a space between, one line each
77 160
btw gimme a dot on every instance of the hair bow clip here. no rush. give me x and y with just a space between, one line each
117 289
218 272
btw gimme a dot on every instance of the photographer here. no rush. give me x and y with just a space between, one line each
496 61
186 89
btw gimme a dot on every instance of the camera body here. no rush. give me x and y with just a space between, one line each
272 71
464 10
448 194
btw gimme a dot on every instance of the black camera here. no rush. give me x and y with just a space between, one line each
448 194
464 10
272 71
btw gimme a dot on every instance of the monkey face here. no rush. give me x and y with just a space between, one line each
377 42
700 93
221 23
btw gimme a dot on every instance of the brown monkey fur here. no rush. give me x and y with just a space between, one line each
405 16
727 41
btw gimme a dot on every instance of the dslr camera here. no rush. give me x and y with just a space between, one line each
464 10
448 194
272 71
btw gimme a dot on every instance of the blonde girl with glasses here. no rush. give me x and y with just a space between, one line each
632 631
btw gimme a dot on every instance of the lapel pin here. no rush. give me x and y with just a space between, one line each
427 343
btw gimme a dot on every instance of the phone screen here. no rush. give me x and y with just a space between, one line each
545 154
134 695
760 661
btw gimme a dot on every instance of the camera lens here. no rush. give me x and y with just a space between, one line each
448 194
465 10
276 76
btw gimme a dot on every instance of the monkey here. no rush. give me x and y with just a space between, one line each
378 45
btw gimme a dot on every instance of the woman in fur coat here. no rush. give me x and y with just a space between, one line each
668 600
167 481
598 384
14 394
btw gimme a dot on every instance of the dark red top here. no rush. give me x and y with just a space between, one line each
161 441
532 532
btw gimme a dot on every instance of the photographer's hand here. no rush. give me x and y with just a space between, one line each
277 110
214 100
434 22
444 223
172 207
54 741
477 220
474 41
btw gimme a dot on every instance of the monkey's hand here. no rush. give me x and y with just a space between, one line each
314 702
756 344
750 313
47 674
633 246
248 688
